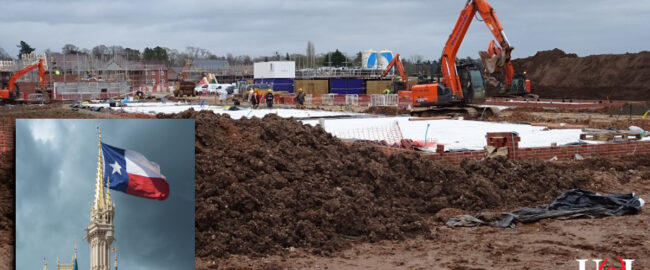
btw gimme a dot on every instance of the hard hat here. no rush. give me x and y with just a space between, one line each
269 90
299 89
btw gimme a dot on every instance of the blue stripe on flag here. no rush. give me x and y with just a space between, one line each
115 167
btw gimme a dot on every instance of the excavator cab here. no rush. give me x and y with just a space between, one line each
520 86
471 81
438 94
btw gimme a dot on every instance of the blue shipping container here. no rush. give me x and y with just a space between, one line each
346 86
278 84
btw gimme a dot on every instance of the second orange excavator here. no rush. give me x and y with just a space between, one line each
462 83
397 63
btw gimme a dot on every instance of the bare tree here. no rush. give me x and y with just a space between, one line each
230 58
4 55
116 50
198 53
70 49
416 59
244 60
100 51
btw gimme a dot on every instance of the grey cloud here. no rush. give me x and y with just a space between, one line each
261 27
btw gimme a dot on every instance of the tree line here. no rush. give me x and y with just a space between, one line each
415 64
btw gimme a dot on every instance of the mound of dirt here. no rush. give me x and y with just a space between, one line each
386 110
266 185
556 74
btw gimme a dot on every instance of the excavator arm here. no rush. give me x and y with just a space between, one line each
27 69
448 59
11 93
396 62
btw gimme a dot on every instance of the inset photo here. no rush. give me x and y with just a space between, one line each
98 194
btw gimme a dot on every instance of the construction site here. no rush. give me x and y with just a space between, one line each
372 168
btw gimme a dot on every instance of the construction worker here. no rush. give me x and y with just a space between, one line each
254 98
300 98
269 98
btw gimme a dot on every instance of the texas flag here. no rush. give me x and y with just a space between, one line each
132 173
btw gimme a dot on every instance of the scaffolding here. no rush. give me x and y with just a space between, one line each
341 72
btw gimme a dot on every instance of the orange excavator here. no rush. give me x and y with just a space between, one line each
518 84
397 63
462 83
12 92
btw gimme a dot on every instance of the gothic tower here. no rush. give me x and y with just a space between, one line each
100 230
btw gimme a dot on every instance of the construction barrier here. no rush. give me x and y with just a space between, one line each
344 100
352 100
328 99
384 100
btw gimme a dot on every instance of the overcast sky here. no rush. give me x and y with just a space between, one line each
55 177
261 27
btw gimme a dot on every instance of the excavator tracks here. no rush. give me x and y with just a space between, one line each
467 112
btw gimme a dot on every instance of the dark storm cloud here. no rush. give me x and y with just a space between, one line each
56 162
261 27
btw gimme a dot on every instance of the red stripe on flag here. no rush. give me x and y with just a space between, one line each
152 188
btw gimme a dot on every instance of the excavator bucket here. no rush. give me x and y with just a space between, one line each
493 63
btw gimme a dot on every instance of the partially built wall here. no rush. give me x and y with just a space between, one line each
89 90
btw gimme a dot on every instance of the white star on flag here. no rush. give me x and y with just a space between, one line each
116 168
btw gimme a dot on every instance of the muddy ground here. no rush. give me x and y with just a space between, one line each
605 118
556 74
387 110
273 193
7 189
544 245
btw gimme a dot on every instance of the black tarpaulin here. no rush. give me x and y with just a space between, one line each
575 203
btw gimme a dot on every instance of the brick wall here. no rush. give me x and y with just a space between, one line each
545 153
7 127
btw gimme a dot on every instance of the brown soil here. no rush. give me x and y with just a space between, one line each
594 119
387 110
273 194
548 244
267 186
556 74
7 189
530 246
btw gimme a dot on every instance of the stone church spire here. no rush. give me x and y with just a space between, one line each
100 231
99 203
